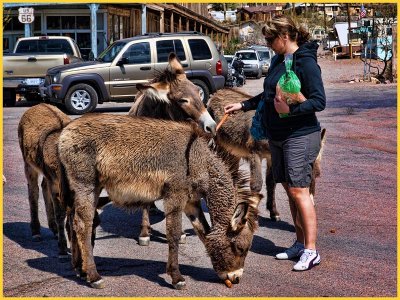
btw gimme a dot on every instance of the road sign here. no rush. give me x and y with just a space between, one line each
26 15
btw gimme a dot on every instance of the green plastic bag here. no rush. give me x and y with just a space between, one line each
289 82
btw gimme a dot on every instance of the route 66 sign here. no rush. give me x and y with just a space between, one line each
26 15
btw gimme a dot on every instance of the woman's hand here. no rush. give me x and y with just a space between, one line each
280 104
230 108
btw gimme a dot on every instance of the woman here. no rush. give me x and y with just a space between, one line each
295 141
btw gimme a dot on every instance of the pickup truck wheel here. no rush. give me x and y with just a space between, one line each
204 91
9 97
80 99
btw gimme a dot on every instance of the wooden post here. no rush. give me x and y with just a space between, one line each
172 22
162 20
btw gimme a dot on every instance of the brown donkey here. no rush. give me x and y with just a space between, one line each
38 132
40 126
235 141
139 160
170 96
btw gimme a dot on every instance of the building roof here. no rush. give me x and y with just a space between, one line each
259 9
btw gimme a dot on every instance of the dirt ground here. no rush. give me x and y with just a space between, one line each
356 203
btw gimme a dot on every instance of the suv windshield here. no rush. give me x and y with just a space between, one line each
247 55
111 52
264 55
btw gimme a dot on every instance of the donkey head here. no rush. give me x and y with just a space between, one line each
176 97
228 246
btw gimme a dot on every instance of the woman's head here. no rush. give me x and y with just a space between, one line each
284 27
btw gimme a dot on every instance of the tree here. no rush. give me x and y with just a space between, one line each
6 18
384 17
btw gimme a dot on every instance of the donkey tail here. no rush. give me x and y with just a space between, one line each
66 195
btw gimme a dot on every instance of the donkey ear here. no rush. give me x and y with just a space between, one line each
157 91
239 217
174 64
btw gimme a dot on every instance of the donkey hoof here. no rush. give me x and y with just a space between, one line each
180 285
99 284
144 240
276 218
182 239
36 238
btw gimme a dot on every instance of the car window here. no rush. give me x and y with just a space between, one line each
111 52
44 46
165 47
138 53
264 55
199 49
248 55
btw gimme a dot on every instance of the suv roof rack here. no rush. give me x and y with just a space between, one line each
172 33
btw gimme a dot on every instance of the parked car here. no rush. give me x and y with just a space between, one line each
252 62
229 58
117 70
266 55
26 67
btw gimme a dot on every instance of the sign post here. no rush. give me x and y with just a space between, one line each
26 16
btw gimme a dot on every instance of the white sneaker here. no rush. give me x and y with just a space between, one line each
296 250
308 259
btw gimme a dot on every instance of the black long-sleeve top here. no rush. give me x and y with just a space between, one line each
302 119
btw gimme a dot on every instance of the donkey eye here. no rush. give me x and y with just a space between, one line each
183 101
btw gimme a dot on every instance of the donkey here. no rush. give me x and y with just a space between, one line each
139 160
170 96
235 141
38 132
40 126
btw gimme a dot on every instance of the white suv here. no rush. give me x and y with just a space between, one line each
252 62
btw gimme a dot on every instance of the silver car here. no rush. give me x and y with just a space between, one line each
252 62
266 55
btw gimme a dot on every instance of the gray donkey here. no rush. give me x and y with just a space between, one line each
139 160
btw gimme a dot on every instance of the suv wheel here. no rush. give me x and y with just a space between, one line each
259 74
204 91
80 99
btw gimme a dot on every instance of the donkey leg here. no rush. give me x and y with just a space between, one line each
255 173
145 228
60 213
196 216
48 202
271 186
173 216
76 256
83 226
33 196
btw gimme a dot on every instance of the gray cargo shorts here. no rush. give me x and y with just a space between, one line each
293 159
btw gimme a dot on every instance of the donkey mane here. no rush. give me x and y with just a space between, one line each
165 76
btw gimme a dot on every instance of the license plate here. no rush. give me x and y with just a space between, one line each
33 81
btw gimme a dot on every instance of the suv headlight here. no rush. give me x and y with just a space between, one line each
56 78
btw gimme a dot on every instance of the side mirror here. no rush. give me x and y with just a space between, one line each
122 61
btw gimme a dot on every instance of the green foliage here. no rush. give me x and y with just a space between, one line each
232 47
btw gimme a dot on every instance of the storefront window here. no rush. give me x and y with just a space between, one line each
68 22
53 22
83 22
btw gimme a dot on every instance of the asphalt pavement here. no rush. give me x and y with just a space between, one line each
355 202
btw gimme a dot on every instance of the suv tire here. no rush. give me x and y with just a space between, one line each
9 97
204 91
80 99
259 74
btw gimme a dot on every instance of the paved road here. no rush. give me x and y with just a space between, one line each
356 207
